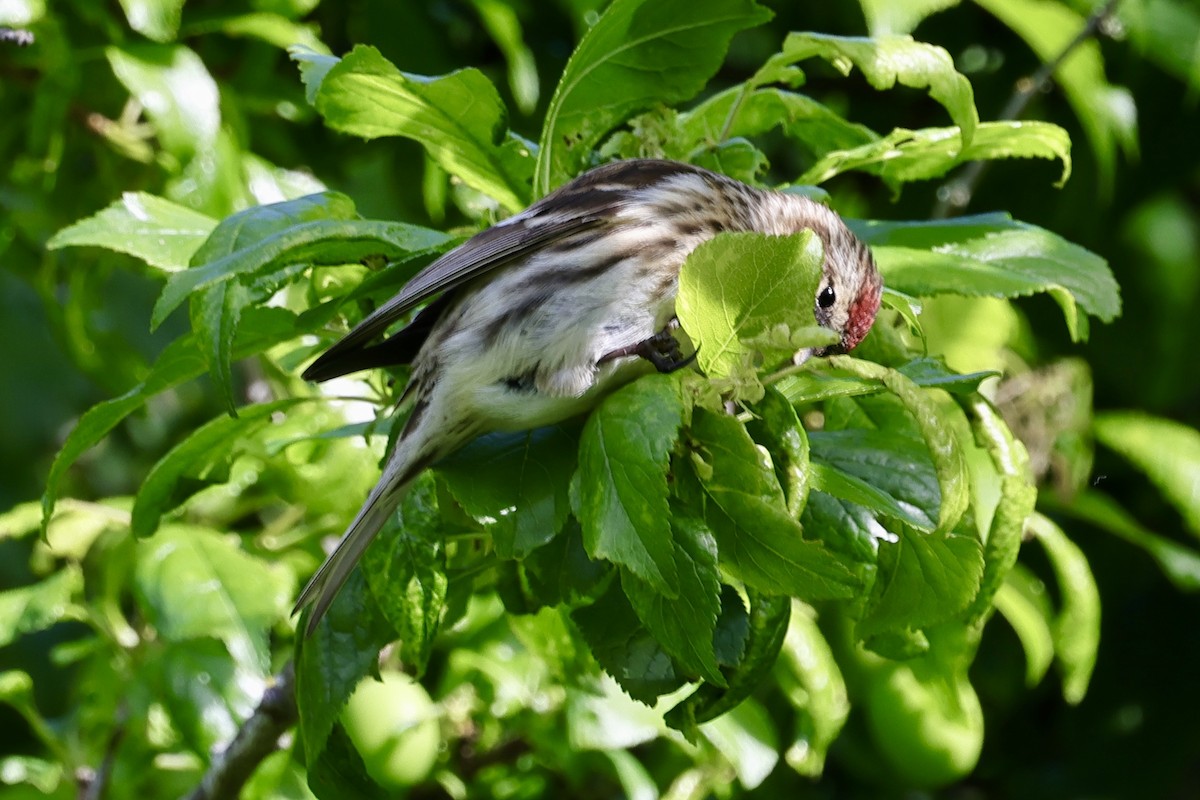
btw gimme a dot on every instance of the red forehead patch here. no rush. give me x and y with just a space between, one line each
862 314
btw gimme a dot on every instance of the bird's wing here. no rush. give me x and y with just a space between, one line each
484 252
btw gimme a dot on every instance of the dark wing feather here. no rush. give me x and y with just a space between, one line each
484 252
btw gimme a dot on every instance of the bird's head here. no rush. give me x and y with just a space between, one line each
850 289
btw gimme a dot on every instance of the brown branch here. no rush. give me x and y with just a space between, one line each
255 740
956 194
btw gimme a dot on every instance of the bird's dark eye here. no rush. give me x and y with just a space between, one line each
827 297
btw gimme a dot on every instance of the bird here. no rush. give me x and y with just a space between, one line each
533 320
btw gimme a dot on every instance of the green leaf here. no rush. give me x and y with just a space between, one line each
758 541
624 649
1167 451
314 65
746 737
179 362
406 572
1107 113
993 255
737 285
768 625
161 233
155 19
742 112
777 427
560 572
206 694
905 155
1018 495
948 462
200 460
504 26
884 62
684 625
338 770
1077 627
624 454
40 605
887 471
174 87
639 54
330 663
1180 564
194 583
809 676
517 482
458 118
1023 601
328 241
900 16
923 579
274 29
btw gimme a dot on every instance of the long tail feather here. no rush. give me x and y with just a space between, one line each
380 503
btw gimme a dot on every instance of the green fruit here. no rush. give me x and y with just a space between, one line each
927 722
393 724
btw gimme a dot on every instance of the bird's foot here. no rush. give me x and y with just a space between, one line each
661 350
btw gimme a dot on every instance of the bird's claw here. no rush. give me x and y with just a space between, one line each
661 350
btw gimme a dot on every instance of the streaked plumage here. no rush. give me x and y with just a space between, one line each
538 313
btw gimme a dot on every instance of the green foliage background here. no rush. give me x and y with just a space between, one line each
112 686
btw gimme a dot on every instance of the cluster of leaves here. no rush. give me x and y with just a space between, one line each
840 539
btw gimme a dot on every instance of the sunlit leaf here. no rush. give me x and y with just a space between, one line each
640 53
1167 451
161 233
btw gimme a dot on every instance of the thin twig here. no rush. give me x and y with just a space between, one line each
255 740
956 195
93 786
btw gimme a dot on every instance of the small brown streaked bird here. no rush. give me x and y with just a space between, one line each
542 314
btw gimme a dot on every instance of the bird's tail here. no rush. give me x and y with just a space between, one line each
324 586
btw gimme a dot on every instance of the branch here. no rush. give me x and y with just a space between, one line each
255 740
956 194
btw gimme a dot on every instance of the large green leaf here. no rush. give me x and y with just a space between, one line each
758 540
161 233
517 482
200 460
640 53
406 572
1167 451
923 579
331 661
737 286
458 118
684 625
905 155
1077 626
624 455
993 255
206 694
194 583
739 112
320 228
623 647
1180 564
884 61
